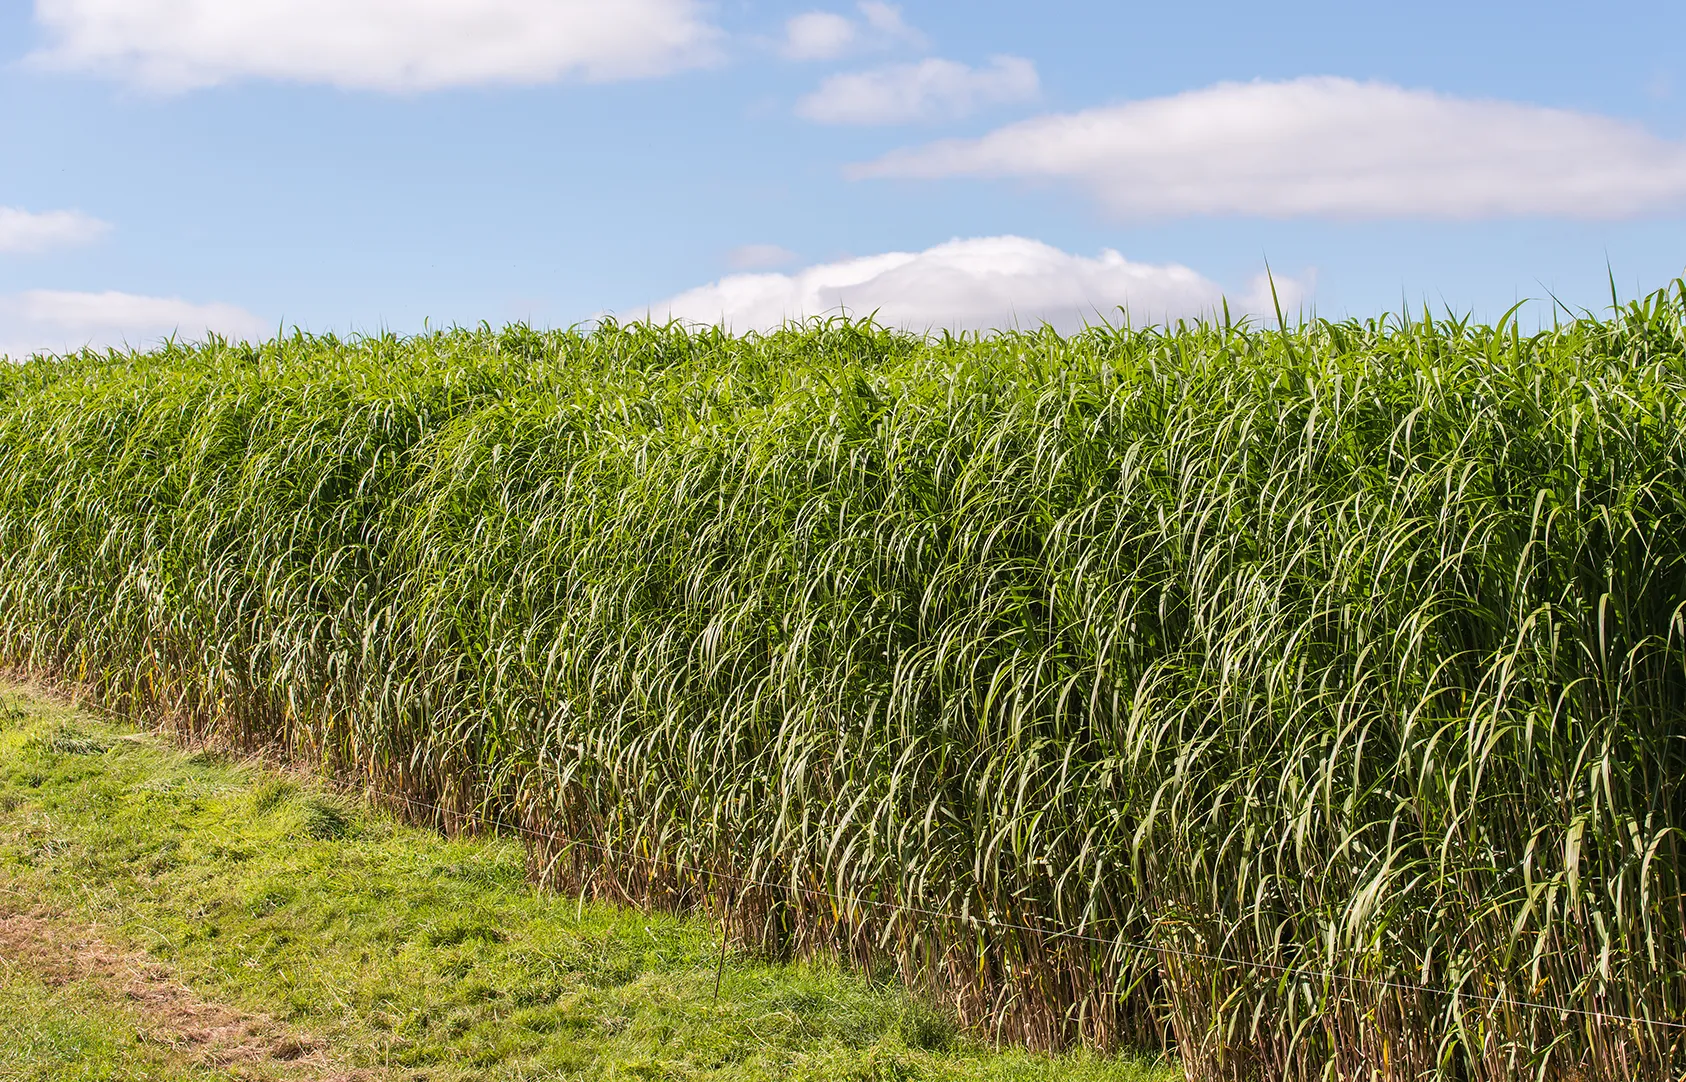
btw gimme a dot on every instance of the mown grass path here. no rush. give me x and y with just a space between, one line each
75 1005
172 914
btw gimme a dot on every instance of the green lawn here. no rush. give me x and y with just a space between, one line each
399 953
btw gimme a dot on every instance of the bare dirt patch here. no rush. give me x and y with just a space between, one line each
59 949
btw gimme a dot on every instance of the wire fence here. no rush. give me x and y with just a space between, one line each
496 824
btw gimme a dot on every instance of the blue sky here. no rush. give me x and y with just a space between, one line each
363 164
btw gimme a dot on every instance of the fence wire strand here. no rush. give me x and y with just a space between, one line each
498 824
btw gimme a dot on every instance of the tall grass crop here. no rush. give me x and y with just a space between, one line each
1313 698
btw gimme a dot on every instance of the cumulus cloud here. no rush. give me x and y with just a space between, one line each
1330 147
56 321
932 89
985 283
391 45
759 257
26 233
826 35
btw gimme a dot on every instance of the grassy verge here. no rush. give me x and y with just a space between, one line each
53 1032
393 951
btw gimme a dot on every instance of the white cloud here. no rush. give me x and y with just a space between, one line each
21 231
932 89
55 321
887 20
826 35
393 45
1329 147
818 35
759 257
985 283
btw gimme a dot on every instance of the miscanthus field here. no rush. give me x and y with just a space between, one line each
1310 701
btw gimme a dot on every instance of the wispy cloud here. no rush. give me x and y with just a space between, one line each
977 284
174 45
56 321
886 21
826 35
1328 147
818 35
931 89
24 232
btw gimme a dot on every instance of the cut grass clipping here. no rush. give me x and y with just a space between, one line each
257 926
1308 699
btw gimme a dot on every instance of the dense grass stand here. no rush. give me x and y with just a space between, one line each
1312 700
